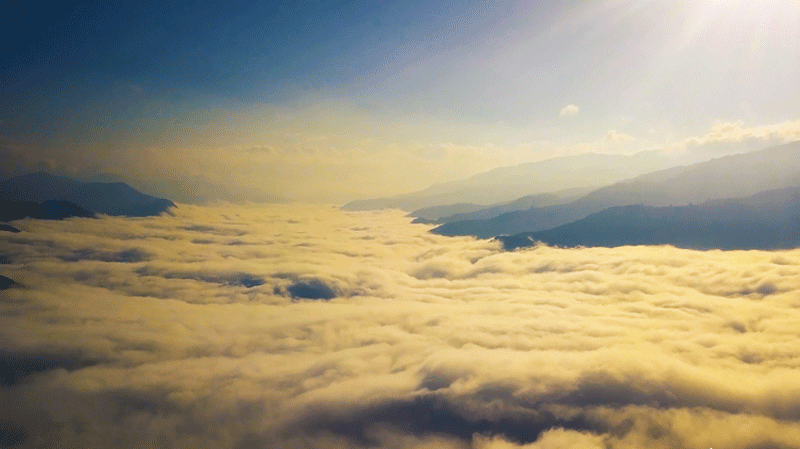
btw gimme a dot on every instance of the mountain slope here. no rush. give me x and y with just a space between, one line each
434 213
524 203
738 175
509 183
94 197
39 186
46 210
768 220
117 199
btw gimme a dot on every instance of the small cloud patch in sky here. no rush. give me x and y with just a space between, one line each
569 109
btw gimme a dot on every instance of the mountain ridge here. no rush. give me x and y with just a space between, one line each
725 177
767 220
44 195
503 184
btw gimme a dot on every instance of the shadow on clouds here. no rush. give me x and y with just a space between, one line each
233 279
311 289
16 366
430 415
130 255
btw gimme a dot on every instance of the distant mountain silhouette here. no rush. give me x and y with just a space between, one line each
118 199
46 210
38 187
491 211
56 195
434 213
191 190
767 220
200 191
733 176
536 218
509 183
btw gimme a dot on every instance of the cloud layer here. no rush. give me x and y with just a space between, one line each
295 326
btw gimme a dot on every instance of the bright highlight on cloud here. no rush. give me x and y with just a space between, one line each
616 136
295 326
737 132
569 109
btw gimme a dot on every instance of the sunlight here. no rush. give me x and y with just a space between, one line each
728 22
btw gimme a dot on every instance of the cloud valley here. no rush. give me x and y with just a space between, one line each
291 326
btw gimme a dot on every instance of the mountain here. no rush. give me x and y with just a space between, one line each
117 199
767 220
536 218
732 176
43 188
434 213
39 186
199 191
509 183
46 210
524 203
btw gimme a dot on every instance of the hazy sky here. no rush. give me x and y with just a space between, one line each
338 100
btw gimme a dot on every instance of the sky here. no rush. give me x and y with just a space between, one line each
328 101
302 326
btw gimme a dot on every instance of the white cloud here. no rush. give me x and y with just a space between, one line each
727 132
569 109
616 136
185 328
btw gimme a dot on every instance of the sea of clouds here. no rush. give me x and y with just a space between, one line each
307 327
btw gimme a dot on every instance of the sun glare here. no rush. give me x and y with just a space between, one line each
721 21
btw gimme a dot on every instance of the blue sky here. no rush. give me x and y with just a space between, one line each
349 99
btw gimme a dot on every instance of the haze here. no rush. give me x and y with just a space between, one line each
338 101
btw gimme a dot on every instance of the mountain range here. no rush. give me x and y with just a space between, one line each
732 176
44 195
190 190
767 220
461 212
46 210
504 184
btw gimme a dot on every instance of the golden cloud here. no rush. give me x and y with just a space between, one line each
298 326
